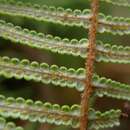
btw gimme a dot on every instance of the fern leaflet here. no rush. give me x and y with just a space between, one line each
105 52
61 76
118 2
114 25
54 114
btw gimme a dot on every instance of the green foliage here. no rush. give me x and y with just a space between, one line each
111 88
118 2
42 72
105 52
8 126
61 76
113 25
55 114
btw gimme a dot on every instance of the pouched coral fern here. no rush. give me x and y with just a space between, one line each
84 80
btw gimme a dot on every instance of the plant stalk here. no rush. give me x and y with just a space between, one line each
89 66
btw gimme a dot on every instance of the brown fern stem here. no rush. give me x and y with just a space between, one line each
89 66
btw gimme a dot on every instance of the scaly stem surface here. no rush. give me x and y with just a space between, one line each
89 66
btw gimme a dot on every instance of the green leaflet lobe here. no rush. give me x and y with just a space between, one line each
105 52
55 114
118 2
61 76
113 25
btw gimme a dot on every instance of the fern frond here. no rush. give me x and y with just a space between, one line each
45 13
111 88
110 119
118 2
55 114
8 126
37 111
41 72
61 76
114 25
42 41
112 53
105 52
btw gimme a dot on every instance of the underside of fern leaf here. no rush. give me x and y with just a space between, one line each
54 114
105 52
61 76
114 25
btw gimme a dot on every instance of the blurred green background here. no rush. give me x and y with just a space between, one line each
53 94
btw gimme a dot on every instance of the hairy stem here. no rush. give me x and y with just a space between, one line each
89 66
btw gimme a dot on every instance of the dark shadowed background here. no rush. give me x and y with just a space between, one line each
53 94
